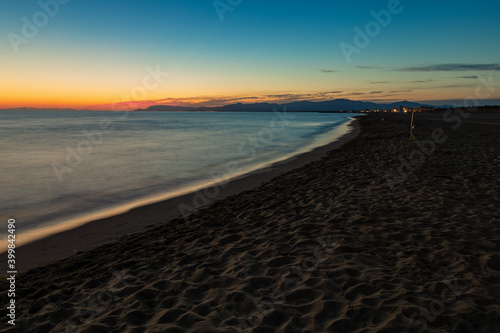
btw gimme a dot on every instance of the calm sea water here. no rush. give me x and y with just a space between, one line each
59 165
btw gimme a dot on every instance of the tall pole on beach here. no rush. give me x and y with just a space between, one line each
412 137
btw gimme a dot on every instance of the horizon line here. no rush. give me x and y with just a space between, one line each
434 103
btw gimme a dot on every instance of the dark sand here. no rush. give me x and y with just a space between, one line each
327 247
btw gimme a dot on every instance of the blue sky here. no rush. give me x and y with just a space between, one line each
93 53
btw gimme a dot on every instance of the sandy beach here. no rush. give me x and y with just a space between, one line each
382 234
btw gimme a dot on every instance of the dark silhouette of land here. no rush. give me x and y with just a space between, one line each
333 105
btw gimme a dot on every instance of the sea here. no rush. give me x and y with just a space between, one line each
66 168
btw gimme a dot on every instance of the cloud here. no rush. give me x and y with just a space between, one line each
468 77
328 71
450 68
456 86
217 101
368 67
400 91
375 92
379 82
423 81
327 93
289 96
299 97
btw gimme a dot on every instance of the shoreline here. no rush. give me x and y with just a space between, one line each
326 247
63 240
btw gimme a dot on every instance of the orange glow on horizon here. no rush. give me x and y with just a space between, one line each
104 101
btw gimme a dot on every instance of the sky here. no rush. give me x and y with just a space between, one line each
117 55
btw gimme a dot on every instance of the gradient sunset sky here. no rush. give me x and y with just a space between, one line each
93 54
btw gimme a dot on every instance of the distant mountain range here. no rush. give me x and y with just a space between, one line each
333 105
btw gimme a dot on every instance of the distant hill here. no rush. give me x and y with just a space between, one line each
333 105
173 108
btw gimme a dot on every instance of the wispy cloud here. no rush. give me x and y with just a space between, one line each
375 92
289 96
329 71
368 67
423 81
379 82
204 101
450 68
220 101
292 97
401 91
455 86
468 77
